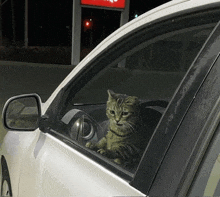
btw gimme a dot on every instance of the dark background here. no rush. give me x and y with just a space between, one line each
50 21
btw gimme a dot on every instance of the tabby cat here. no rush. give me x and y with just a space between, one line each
125 140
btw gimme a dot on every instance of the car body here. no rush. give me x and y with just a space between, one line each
167 55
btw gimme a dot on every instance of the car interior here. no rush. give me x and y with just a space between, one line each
149 71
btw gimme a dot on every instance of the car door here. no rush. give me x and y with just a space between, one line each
148 63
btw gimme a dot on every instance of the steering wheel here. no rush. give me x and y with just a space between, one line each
82 127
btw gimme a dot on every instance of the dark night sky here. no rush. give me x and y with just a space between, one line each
50 21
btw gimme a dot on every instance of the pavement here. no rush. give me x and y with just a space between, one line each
23 78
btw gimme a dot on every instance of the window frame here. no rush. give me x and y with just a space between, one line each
139 180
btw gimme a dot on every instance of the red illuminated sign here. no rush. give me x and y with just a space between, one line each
105 3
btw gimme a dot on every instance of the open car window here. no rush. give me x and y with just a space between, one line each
150 71
111 109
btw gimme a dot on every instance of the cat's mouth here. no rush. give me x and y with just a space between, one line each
119 124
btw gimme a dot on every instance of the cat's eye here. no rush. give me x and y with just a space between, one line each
112 112
124 113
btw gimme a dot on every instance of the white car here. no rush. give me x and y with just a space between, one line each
169 59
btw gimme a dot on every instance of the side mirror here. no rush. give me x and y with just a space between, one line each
22 112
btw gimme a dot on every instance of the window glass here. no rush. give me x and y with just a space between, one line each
113 112
151 70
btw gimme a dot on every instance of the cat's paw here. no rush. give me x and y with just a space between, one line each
90 145
118 161
102 151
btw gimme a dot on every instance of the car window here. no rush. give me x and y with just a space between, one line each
151 71
207 180
110 110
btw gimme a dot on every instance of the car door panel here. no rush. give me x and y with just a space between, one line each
72 174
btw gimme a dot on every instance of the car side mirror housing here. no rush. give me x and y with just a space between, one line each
22 113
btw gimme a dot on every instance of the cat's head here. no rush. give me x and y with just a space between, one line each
122 110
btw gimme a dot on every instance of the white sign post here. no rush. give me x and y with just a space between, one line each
125 13
76 33
76 24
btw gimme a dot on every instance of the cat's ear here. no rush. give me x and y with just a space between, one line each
132 100
111 94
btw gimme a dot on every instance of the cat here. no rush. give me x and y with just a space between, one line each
125 140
